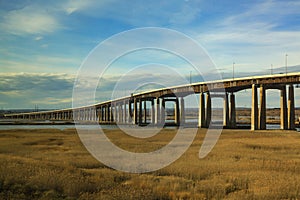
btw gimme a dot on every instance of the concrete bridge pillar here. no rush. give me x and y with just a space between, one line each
182 111
94 114
111 112
254 109
262 108
98 114
177 112
232 112
104 113
140 111
82 115
226 111
125 112
291 108
201 114
163 111
152 112
208 109
87 114
120 113
129 112
107 113
145 111
157 112
91 114
283 109
135 121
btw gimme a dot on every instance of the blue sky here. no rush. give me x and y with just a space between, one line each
43 43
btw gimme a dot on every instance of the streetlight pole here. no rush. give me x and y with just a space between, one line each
286 56
190 77
271 69
233 70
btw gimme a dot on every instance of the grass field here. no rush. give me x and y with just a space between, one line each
53 164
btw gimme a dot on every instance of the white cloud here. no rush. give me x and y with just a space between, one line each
52 101
29 20
84 6
38 38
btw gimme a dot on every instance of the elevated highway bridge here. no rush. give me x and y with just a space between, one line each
133 109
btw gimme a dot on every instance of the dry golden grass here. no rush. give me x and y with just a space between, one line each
53 164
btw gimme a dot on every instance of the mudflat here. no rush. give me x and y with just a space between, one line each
53 164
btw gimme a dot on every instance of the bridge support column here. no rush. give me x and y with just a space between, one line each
208 109
87 114
201 115
291 108
182 111
232 112
118 114
104 111
129 112
97 113
163 111
262 108
152 112
254 109
157 112
145 111
90 115
226 111
140 112
108 113
122 111
135 113
177 112
283 109
111 112
101 114
125 112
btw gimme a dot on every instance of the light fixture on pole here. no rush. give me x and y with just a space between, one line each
233 70
286 56
271 69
